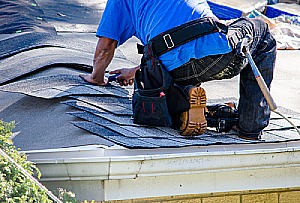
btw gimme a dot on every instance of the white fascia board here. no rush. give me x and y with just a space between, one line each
133 166
202 183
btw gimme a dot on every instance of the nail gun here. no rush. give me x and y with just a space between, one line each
222 116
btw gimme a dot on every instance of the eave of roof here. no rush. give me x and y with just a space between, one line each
106 163
194 170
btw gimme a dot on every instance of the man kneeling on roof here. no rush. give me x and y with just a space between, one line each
212 55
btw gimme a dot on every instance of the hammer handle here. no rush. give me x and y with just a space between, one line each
261 83
266 93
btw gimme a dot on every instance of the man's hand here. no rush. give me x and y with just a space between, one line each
126 76
94 81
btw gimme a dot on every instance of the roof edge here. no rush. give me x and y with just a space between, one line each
131 167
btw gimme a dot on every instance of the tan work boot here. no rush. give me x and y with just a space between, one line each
193 120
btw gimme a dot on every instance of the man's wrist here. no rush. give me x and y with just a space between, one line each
98 78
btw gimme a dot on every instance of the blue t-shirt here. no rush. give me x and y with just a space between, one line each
145 19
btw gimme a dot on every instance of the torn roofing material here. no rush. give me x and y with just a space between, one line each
26 63
28 41
55 86
36 51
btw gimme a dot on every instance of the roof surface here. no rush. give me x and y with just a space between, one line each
54 108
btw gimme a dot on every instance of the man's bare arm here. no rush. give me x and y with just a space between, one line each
103 56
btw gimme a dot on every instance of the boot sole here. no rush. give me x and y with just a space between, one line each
193 121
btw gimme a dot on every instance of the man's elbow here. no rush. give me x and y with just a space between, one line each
107 43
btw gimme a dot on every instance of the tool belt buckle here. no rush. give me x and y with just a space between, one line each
221 125
167 37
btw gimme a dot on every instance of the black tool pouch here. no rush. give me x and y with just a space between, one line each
149 108
156 98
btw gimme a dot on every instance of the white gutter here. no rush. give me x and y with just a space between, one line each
102 167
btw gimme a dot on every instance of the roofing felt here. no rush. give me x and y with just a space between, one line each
20 15
47 66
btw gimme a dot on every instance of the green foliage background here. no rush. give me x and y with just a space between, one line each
14 186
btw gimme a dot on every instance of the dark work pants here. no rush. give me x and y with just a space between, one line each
253 109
